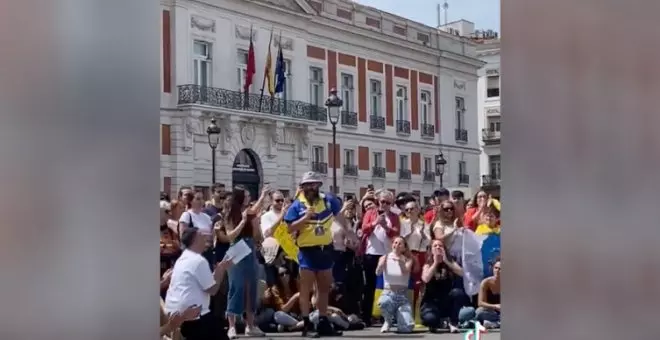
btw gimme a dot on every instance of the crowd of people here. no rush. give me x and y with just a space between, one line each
319 265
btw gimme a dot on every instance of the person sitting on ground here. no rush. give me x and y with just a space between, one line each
488 312
283 298
442 299
393 302
336 316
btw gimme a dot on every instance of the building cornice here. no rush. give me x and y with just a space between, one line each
332 33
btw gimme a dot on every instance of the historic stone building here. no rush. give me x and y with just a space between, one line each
409 93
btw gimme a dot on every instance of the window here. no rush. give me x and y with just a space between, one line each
317 154
493 87
201 63
287 92
241 68
374 97
403 162
462 168
316 86
378 159
425 106
460 113
349 157
347 91
401 98
494 125
495 165
428 164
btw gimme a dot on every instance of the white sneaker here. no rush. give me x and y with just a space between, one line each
231 333
254 331
385 328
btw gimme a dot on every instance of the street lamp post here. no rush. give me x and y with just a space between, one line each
440 166
334 103
213 131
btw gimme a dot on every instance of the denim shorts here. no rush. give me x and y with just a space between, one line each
316 258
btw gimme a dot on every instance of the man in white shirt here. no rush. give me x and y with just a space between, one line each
269 222
192 284
271 219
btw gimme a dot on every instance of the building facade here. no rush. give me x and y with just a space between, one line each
490 115
409 93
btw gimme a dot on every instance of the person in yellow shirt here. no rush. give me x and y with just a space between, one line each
310 216
489 223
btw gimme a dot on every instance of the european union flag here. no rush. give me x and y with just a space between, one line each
280 70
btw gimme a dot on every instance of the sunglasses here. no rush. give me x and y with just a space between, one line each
448 209
410 209
284 273
279 200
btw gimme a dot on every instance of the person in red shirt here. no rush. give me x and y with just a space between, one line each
379 227
438 197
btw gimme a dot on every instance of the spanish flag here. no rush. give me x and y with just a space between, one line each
268 70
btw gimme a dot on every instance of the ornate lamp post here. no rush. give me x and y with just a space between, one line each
213 131
440 163
334 103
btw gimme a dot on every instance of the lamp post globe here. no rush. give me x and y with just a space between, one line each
213 132
440 163
333 103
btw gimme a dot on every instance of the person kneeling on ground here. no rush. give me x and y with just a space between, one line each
441 300
393 302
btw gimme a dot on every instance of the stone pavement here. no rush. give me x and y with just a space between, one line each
374 333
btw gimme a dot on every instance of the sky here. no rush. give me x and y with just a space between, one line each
484 13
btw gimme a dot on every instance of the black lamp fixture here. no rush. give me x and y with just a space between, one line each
440 163
213 132
334 103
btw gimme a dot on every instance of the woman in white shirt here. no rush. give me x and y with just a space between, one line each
393 302
195 217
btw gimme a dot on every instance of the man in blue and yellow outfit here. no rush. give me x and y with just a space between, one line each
310 216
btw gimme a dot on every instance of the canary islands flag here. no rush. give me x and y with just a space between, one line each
477 255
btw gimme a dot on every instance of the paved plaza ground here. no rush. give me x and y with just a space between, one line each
374 333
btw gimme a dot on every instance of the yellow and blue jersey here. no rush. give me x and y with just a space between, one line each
317 231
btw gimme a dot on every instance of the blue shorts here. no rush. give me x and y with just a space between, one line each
316 258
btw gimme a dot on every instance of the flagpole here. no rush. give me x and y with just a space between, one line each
246 98
263 83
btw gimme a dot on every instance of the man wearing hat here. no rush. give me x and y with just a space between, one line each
310 216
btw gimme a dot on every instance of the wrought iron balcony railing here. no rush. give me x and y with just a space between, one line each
350 170
405 174
490 137
429 176
349 119
253 102
428 130
403 127
320 167
378 172
490 180
463 179
377 123
461 135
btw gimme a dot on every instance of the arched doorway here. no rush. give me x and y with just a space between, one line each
246 171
